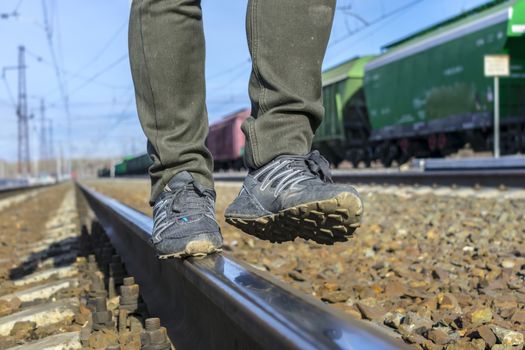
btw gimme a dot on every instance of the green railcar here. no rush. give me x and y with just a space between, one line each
139 165
133 166
345 125
104 172
121 168
427 94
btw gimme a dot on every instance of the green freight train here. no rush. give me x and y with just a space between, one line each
426 95
133 166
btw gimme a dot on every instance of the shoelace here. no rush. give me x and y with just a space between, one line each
286 172
191 199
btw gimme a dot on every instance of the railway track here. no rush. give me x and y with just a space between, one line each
484 178
74 283
225 303
440 267
67 255
15 190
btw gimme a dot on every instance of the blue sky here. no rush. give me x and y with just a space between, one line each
89 39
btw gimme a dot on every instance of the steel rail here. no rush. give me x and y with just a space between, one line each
8 189
12 190
486 178
219 303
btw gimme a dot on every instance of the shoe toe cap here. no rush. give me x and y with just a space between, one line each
193 245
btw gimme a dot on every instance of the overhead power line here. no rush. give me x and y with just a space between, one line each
9 91
13 13
104 48
72 75
104 70
91 79
233 79
230 70
58 73
375 21
377 28
17 7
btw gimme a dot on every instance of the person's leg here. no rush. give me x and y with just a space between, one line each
288 191
287 41
166 45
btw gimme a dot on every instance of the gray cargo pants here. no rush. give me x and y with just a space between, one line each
287 40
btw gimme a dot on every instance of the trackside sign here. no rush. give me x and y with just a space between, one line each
497 65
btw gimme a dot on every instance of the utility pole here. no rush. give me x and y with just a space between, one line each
44 156
24 158
50 142
497 151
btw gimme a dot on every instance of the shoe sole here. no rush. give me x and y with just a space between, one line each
198 248
325 222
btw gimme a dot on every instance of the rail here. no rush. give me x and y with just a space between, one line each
220 303
486 178
12 190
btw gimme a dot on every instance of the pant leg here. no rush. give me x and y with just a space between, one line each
166 47
288 41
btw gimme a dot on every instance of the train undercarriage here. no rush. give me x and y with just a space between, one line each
359 150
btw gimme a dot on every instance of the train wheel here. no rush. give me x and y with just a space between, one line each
387 162
511 142
442 142
432 143
333 160
389 154
353 156
405 150
403 158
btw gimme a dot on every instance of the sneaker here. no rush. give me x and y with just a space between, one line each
294 196
184 219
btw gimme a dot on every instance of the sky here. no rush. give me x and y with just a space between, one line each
81 56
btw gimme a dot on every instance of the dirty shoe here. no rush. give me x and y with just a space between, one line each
294 196
184 219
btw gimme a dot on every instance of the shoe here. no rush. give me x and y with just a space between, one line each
184 220
294 196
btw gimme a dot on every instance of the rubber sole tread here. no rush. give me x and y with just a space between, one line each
325 222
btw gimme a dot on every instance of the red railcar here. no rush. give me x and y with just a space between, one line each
226 141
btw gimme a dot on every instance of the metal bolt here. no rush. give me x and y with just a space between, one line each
152 324
129 295
92 263
116 269
100 304
159 337
102 318
155 336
